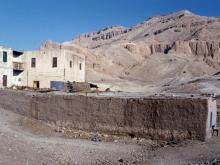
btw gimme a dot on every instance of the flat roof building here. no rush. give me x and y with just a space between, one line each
45 68
11 67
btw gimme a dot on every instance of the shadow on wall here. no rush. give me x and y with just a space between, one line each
165 118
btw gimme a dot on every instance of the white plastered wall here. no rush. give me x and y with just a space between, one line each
212 111
45 73
6 68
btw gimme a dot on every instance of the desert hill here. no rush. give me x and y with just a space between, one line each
159 51
183 25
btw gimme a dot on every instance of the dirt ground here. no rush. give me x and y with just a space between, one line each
41 145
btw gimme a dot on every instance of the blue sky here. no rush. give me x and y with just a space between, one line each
26 24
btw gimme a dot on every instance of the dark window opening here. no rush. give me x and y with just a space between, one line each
17 53
54 64
80 66
5 57
16 73
33 62
36 84
5 80
71 64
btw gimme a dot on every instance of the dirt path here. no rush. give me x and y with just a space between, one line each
22 147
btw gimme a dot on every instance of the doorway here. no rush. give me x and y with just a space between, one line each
36 84
5 80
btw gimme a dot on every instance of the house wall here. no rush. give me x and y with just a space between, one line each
74 73
212 115
45 73
166 118
6 68
19 76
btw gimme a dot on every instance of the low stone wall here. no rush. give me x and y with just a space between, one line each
155 118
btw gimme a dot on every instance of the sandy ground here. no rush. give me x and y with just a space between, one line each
22 146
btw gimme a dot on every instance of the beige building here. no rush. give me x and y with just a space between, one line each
49 68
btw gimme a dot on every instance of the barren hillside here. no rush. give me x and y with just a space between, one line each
170 48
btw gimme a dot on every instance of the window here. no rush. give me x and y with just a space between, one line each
33 62
5 81
80 66
71 64
54 64
5 57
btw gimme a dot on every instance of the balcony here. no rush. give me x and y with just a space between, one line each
17 54
18 66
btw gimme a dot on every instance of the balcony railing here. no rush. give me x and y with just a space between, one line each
18 66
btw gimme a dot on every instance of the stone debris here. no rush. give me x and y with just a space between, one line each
72 87
212 162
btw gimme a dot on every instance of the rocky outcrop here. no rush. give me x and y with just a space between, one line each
197 48
50 45
160 48
205 48
146 49
104 34
109 35
130 49
209 51
182 47
141 49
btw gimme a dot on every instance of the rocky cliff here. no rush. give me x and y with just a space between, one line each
176 46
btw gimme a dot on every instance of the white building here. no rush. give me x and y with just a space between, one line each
46 68
11 67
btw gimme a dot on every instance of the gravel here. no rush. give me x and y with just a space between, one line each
40 146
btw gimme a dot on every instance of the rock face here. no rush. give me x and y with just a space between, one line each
197 48
100 36
141 49
157 50
179 26
109 33
105 34
182 47
161 48
50 45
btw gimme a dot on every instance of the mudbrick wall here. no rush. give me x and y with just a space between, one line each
155 118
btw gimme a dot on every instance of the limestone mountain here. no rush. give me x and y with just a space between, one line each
183 25
160 50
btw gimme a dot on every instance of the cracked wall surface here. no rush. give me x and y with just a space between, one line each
164 118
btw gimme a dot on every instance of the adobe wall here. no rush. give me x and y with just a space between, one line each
155 118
